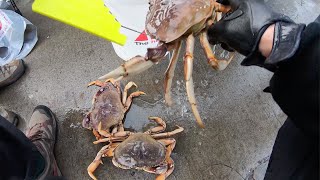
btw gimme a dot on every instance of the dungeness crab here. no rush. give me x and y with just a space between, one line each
171 22
109 106
149 151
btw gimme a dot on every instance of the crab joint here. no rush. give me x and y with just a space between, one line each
133 66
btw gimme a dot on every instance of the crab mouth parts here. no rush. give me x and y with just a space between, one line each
157 53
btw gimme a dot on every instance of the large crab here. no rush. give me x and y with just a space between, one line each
171 22
149 151
109 106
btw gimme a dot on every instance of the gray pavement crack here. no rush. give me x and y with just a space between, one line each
221 164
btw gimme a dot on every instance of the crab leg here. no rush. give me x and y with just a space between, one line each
109 135
161 125
131 67
122 134
114 130
110 139
100 83
125 91
96 134
105 151
129 99
97 83
97 161
188 68
119 135
170 73
116 134
120 127
139 64
170 143
216 64
111 149
170 168
167 134
103 132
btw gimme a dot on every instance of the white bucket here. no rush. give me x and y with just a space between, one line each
132 15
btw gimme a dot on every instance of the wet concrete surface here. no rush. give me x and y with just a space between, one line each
241 121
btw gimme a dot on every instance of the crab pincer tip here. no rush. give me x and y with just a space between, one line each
201 125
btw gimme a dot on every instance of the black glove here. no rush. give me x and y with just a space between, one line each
241 29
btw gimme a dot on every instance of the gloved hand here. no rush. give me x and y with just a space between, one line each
242 28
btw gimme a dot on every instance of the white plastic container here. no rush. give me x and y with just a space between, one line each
132 15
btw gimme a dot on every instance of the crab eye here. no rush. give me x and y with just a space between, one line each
164 2
150 5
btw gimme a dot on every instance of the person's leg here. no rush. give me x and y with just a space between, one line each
11 72
42 132
18 154
294 155
29 157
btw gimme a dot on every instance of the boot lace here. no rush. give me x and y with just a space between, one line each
37 132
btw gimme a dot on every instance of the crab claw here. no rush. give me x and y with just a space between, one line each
138 64
133 66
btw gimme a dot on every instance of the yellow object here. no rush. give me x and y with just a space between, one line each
89 15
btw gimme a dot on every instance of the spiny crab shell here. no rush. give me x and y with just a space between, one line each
109 105
107 108
168 20
139 151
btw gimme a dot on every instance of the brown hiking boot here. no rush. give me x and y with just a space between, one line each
11 72
42 132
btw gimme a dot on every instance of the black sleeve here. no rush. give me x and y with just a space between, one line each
295 83
19 157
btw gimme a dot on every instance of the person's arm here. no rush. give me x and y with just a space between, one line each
266 42
242 29
295 83
275 42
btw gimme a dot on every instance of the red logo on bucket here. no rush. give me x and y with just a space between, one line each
142 37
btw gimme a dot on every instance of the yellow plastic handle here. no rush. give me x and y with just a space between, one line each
89 15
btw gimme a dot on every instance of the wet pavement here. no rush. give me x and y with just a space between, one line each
241 121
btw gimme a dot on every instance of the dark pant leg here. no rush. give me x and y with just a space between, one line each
19 157
294 155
